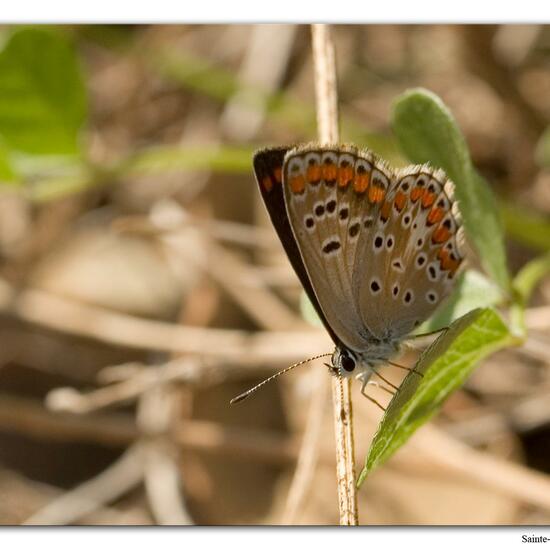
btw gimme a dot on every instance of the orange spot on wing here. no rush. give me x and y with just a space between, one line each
447 263
436 215
428 199
267 184
376 194
297 184
361 182
329 172
385 211
416 193
441 235
400 201
313 173
278 174
454 265
345 175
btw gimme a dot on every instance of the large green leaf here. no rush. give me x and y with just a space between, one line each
427 132
530 274
42 94
445 366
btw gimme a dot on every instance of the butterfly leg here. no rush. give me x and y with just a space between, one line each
376 384
364 384
405 368
386 381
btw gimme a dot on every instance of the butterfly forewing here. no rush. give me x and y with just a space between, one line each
268 169
331 213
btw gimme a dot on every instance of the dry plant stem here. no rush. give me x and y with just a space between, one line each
327 122
325 84
345 450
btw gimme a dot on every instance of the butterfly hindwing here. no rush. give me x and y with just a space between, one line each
408 266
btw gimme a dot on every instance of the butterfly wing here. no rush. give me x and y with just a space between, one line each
268 169
408 265
332 197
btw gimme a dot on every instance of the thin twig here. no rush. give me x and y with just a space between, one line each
158 413
226 268
72 317
504 476
327 122
117 479
71 400
29 418
242 119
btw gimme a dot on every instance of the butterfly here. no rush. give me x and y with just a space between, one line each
377 250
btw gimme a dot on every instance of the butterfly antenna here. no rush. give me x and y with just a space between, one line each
252 390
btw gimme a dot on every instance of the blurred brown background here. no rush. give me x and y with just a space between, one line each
136 303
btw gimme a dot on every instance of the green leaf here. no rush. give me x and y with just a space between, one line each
524 284
427 132
7 173
71 177
445 365
526 225
472 290
235 160
530 274
42 94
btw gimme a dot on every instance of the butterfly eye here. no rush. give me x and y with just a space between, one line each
348 364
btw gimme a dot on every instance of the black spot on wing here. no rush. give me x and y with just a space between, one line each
331 246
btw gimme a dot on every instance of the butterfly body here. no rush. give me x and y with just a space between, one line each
377 250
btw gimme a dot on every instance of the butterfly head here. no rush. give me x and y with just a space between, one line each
346 362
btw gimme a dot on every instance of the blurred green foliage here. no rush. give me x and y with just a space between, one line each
526 226
43 102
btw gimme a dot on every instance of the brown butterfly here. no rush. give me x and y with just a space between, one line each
377 250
